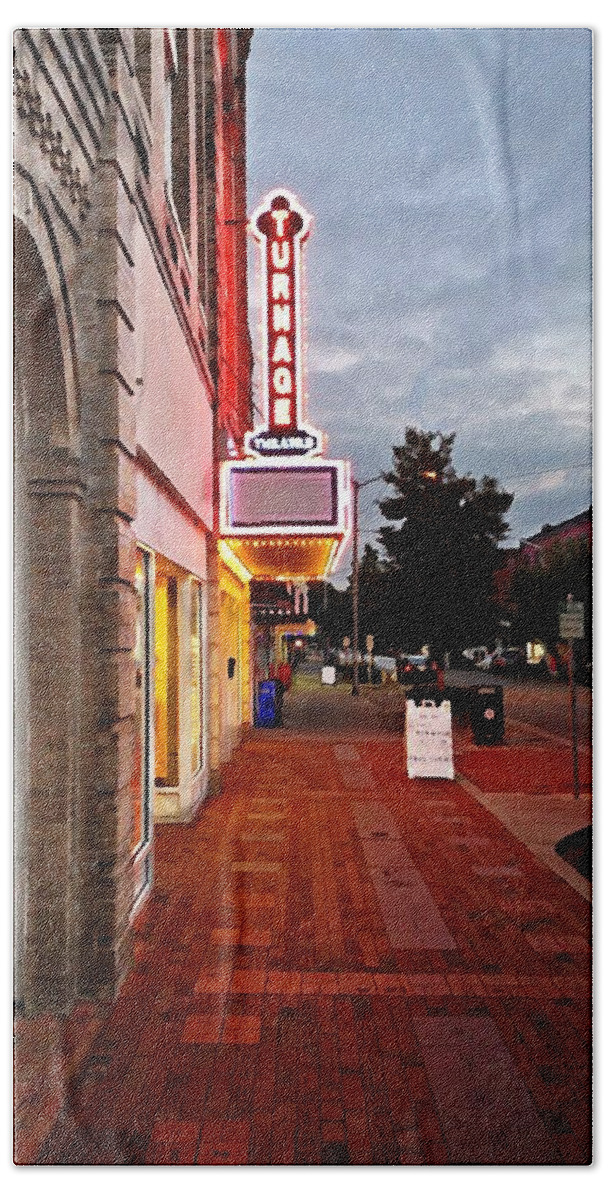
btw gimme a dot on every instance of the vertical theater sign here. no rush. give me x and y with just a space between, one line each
281 226
285 509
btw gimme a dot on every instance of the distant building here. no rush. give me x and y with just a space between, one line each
533 551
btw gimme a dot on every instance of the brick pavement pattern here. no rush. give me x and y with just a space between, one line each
341 966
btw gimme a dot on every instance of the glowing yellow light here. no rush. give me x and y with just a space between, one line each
233 562
285 558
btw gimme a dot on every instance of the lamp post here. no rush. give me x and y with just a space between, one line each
357 485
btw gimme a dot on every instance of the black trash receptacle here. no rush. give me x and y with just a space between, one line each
487 715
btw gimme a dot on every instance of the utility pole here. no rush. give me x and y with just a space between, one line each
575 781
355 688
571 627
355 576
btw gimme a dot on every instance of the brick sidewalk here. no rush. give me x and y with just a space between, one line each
341 966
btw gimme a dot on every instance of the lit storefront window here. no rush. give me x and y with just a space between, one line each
141 782
139 778
166 681
196 724
535 652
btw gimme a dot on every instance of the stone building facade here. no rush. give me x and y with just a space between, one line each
132 381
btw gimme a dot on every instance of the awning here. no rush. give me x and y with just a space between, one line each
285 558
285 520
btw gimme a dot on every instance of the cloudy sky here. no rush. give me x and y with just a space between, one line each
448 272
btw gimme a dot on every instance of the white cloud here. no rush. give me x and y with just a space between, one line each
556 351
332 360
549 481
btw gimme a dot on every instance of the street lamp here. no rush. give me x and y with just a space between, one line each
357 485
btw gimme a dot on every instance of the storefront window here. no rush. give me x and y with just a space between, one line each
196 724
166 680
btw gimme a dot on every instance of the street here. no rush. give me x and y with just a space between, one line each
543 703
339 965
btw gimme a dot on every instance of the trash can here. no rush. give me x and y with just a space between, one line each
266 715
487 715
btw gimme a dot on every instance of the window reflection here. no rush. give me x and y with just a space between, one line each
166 680
139 770
196 724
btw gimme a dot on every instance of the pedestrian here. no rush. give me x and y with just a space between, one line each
551 662
563 660
284 675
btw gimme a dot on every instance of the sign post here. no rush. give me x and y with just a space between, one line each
345 646
356 486
571 627
369 646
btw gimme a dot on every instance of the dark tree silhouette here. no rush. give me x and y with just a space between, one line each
331 609
440 546
431 582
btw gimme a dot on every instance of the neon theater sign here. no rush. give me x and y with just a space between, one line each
285 510
281 226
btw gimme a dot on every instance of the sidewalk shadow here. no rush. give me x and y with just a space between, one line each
576 849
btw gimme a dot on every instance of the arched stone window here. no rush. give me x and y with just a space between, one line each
47 640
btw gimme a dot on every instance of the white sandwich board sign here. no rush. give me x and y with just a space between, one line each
428 733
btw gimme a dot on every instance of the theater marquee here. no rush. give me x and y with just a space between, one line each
285 511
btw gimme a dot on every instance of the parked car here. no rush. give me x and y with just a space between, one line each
387 665
497 662
474 656
510 661
485 662
416 670
407 664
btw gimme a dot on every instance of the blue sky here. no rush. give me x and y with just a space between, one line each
449 268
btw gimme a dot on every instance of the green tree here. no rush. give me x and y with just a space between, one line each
441 546
374 591
331 609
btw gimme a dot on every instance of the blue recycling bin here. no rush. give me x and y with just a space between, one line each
266 715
